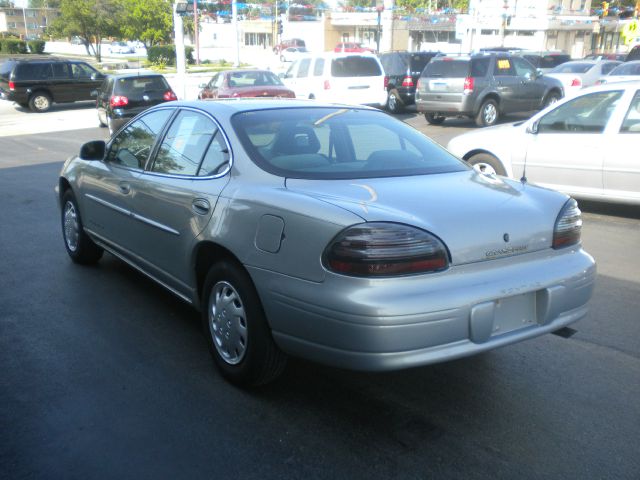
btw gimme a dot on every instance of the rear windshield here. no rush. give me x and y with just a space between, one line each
5 69
338 143
447 69
32 71
253 79
573 68
138 85
355 67
551 61
627 69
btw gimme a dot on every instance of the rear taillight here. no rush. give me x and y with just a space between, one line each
380 249
386 82
468 85
576 82
568 227
327 85
118 101
407 81
169 96
12 86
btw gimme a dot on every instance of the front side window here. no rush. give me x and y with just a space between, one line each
585 114
332 143
607 67
184 145
131 147
81 70
523 68
631 122
303 71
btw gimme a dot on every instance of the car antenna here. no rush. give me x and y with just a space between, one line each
523 179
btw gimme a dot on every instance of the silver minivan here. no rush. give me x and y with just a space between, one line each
353 78
483 87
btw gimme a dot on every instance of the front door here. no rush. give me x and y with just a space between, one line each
508 86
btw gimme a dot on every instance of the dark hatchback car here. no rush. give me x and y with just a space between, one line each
402 70
122 97
37 83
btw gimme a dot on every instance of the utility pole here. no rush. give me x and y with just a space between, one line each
180 57
379 8
234 21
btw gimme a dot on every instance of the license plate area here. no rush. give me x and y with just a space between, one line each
512 313
438 86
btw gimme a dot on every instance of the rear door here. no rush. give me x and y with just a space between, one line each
531 90
508 85
61 83
356 79
84 79
176 196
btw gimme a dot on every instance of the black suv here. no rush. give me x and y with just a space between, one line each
122 97
402 70
483 87
38 82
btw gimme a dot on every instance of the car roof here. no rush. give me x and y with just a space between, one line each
119 76
39 58
232 105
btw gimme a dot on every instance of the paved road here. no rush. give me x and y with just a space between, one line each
106 375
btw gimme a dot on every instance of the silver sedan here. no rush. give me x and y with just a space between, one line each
334 233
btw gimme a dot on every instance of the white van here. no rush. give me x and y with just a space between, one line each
354 78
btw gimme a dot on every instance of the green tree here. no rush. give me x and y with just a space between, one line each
92 20
150 21
44 4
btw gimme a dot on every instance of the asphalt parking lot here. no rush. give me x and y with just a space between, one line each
106 375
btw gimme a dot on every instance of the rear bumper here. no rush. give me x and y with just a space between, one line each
464 107
391 324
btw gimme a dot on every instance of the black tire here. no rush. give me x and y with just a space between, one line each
488 114
488 160
242 347
550 99
394 102
40 102
79 246
100 122
434 118
24 104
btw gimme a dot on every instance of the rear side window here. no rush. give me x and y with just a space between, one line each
480 67
32 71
303 71
60 70
318 68
355 67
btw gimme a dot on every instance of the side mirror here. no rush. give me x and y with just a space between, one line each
539 72
93 150
532 128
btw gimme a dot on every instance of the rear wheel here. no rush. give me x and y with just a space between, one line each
40 102
238 335
434 118
550 99
394 103
488 114
79 246
487 163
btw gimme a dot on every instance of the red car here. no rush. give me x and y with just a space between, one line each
352 47
244 83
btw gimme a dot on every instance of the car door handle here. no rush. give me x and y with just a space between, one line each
200 206
125 188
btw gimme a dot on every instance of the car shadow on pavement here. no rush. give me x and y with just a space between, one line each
61 107
611 209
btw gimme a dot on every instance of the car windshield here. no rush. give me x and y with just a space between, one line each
573 68
338 143
626 69
253 79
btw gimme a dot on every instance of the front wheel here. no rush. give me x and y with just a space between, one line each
550 99
487 163
79 246
40 102
238 335
488 114
434 119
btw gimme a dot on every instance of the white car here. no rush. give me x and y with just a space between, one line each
121 47
622 73
586 146
578 74
352 78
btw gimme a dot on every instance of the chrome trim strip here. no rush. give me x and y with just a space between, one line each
108 204
104 244
153 223
135 216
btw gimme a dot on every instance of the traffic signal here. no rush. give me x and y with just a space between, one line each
279 27
605 9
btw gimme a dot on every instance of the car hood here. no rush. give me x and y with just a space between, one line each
478 217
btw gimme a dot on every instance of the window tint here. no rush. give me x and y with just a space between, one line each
318 68
550 61
631 122
334 143
303 71
60 70
33 71
480 67
132 146
81 70
585 114
184 144
5 68
355 67
447 68
216 158
136 86
418 61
